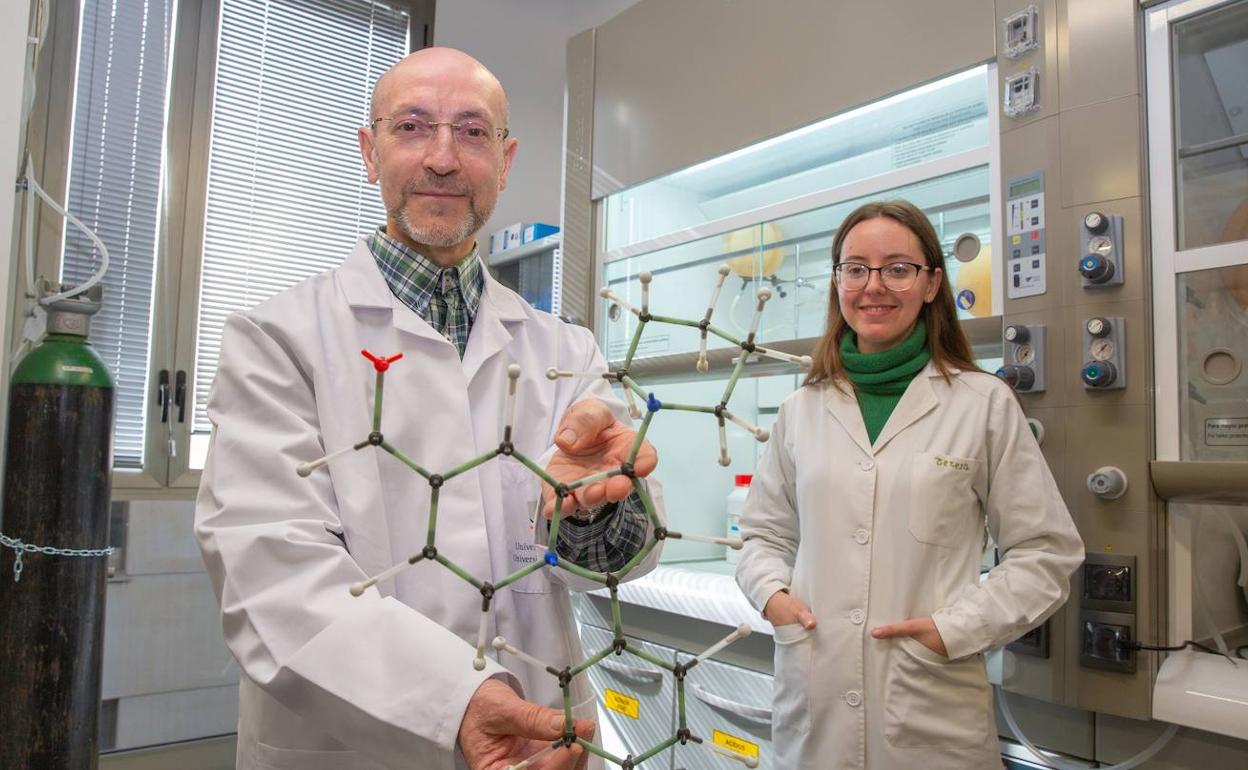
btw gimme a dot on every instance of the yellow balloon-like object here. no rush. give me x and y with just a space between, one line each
747 238
973 289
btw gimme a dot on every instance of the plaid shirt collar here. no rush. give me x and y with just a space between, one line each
413 278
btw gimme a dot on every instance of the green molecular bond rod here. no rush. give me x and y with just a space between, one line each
564 490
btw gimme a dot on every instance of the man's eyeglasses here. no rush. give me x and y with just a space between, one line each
476 134
896 276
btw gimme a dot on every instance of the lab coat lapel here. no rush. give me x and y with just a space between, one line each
844 407
918 400
491 329
364 287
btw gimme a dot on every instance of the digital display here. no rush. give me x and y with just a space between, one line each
1027 186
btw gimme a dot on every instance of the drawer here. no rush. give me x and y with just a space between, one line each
628 677
731 703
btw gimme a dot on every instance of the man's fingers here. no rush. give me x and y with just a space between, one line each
581 424
646 460
528 720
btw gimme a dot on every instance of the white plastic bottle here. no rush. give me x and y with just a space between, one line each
736 504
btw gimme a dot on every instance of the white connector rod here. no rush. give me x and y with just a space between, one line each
358 589
740 632
761 434
305 469
478 662
606 293
502 645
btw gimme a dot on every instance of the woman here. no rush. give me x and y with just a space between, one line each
868 511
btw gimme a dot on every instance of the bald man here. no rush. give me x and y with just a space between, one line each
387 680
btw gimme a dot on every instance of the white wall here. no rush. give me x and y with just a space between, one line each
524 44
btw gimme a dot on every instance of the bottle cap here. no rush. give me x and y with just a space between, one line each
744 479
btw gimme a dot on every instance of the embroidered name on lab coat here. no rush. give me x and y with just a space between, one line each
949 462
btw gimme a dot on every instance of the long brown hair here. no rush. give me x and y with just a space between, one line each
945 338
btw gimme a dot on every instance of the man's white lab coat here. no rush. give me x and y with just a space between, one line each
891 532
332 681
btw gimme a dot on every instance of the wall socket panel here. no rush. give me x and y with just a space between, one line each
1027 352
1104 347
1103 241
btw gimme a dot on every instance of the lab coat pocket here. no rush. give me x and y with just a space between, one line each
791 694
943 503
520 498
933 702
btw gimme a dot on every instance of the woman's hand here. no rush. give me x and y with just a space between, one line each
922 630
784 609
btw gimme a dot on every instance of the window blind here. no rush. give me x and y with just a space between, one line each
287 192
117 145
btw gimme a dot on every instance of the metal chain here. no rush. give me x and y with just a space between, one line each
20 549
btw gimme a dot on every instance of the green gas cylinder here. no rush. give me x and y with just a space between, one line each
57 472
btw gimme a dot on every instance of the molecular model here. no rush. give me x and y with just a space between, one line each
563 490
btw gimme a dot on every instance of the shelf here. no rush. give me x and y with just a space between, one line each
517 253
1193 481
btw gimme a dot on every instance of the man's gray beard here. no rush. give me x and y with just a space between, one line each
441 237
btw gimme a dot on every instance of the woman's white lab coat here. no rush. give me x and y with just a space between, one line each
867 535
333 681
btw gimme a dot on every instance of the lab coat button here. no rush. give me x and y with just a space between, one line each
862 536
866 465
857 616
853 698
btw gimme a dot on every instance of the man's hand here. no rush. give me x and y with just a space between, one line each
922 630
784 609
591 440
500 729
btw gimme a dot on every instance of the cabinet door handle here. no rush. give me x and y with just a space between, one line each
162 394
179 394
649 675
752 713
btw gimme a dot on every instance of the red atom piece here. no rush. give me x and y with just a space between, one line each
381 364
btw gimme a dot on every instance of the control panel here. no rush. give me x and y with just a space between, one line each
1024 209
1107 612
1022 93
1022 32
1100 241
1104 366
1023 361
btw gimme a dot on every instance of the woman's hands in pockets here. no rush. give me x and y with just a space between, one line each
784 609
922 630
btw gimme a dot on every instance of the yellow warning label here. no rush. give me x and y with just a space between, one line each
622 704
734 744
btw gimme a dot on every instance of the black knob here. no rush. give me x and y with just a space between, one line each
1017 377
1096 269
1099 374
1099 327
1096 222
1017 333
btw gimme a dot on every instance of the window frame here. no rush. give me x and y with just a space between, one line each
166 471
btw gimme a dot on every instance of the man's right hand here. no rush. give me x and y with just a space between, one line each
784 609
501 729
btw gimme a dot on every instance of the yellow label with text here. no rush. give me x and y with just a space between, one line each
623 704
735 744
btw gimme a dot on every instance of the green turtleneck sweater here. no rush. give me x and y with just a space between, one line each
881 378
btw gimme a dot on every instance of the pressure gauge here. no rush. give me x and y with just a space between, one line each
1096 222
1098 327
1016 333
1102 349
1025 355
1100 246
